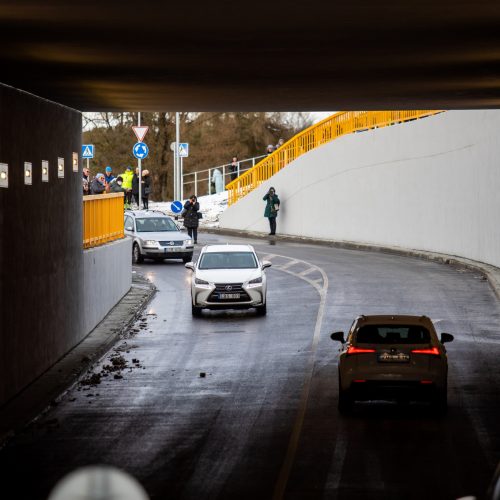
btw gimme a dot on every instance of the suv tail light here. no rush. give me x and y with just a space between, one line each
432 351
358 350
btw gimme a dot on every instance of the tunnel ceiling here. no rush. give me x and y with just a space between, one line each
254 55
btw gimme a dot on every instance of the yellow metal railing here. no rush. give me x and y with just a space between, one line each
102 219
322 132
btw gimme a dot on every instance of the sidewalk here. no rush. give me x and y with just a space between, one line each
43 392
491 273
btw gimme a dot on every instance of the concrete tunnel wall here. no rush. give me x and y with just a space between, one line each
52 294
431 184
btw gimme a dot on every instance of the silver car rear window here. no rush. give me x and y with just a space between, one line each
228 260
393 334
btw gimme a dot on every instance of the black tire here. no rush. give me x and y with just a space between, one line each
440 402
195 311
137 258
345 400
261 310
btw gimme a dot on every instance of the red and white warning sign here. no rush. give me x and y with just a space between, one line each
140 132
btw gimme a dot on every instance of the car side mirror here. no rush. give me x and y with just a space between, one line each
266 264
338 336
446 337
189 265
129 228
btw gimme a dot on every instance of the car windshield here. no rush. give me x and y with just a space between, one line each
393 334
228 260
155 225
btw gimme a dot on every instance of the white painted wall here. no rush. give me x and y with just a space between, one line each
107 278
431 184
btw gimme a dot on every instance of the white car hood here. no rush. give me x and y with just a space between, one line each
163 236
228 275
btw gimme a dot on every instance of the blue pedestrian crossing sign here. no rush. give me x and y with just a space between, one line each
87 151
176 207
140 150
183 149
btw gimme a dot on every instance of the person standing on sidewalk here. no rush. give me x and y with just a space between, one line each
135 187
272 207
146 189
191 217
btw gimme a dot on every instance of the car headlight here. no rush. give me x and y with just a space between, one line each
202 283
188 242
255 282
150 243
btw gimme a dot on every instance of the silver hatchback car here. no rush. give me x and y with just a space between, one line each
392 357
156 236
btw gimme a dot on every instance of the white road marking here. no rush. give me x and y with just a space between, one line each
321 287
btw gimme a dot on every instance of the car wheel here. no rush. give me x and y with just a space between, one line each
345 400
440 402
137 258
262 310
196 311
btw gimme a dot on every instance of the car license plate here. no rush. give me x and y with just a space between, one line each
229 295
394 358
169 249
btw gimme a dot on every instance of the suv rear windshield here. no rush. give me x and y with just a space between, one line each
155 225
393 334
228 260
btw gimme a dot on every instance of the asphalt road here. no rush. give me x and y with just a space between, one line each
263 423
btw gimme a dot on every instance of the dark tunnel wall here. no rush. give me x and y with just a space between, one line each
41 273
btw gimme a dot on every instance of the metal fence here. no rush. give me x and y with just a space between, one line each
193 181
322 132
102 219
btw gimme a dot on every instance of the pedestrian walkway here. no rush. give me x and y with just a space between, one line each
44 392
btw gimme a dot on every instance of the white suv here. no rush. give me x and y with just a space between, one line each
228 277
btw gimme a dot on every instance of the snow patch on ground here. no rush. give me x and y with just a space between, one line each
211 206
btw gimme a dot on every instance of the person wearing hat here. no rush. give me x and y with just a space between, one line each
127 177
97 185
270 149
145 188
108 176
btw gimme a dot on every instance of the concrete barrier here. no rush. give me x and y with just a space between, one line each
431 184
107 278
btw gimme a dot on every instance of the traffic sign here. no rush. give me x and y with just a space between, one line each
87 151
183 149
140 132
140 150
176 207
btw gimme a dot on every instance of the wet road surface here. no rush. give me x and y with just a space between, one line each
232 405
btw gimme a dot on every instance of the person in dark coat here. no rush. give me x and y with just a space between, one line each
135 186
191 218
146 188
272 207
233 168
97 186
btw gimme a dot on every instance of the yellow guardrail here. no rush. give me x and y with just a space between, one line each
322 132
102 219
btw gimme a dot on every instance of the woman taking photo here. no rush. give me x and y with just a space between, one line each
191 217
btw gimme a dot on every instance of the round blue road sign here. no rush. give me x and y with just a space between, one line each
140 150
176 207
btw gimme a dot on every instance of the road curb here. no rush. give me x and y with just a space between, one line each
42 393
491 273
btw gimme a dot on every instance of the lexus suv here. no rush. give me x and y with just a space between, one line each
392 357
228 277
156 236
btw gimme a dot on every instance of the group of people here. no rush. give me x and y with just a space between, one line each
127 183
271 149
